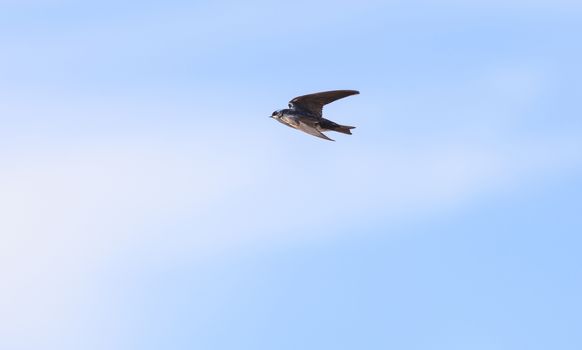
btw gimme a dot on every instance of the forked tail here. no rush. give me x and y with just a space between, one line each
344 129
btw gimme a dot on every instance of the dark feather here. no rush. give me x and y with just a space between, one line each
313 103
312 131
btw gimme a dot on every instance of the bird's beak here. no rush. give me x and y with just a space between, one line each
270 116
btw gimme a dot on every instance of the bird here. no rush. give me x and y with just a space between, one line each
305 113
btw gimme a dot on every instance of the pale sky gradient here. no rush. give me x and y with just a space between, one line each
148 202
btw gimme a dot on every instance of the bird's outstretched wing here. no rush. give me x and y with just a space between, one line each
312 131
313 103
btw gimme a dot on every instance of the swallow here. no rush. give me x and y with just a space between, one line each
305 113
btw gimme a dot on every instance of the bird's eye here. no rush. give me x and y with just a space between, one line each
274 113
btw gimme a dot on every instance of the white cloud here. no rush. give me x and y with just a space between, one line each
74 207
65 213
70 213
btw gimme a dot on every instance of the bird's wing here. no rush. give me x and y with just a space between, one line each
312 131
313 103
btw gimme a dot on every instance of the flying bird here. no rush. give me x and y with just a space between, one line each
305 113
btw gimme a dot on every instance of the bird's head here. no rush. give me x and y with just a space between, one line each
277 114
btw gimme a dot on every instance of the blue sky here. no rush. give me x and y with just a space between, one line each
147 201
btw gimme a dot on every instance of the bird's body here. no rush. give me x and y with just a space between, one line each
305 113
